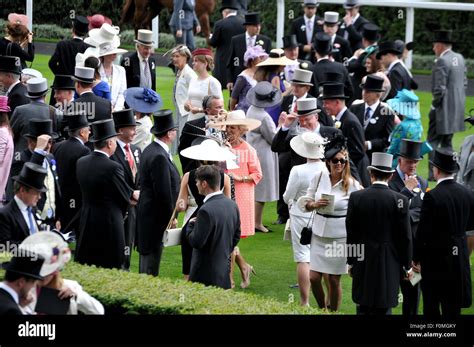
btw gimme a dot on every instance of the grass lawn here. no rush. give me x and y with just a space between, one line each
268 253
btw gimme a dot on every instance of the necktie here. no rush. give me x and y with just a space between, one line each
31 220
295 106
129 158
249 42
309 31
367 116
146 72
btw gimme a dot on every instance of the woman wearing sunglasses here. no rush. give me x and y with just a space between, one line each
328 243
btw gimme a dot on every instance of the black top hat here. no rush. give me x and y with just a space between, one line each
228 5
80 25
124 118
32 175
322 43
63 82
252 18
28 264
444 36
76 121
445 160
388 47
163 121
10 64
410 149
290 41
38 127
373 83
102 130
332 77
370 32
333 91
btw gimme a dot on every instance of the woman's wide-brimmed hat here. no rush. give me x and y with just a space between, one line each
208 150
308 145
143 100
106 33
238 117
4 104
109 48
264 94
51 247
277 57
89 52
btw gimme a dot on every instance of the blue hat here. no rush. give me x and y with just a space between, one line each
143 100
406 104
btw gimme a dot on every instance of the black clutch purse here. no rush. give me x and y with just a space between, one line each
306 234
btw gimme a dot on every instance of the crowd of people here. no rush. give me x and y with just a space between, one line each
328 125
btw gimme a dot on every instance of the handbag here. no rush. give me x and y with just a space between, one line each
172 236
307 232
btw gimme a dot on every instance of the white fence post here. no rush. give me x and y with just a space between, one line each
280 23
155 24
29 13
410 28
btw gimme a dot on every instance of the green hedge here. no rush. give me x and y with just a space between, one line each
129 293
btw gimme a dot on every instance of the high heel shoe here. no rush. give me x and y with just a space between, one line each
246 282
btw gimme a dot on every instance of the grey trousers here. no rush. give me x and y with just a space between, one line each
186 39
436 141
150 263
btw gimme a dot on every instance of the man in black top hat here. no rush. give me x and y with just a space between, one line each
399 78
377 223
449 83
159 188
406 182
374 115
239 44
63 91
128 155
63 60
67 153
305 29
334 102
353 25
21 276
18 217
231 25
10 70
106 197
291 49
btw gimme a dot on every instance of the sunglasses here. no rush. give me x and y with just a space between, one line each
335 161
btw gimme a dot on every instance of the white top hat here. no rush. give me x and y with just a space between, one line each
303 77
307 106
51 247
208 150
106 33
84 74
381 162
308 145
90 52
31 72
238 117
331 17
36 87
145 37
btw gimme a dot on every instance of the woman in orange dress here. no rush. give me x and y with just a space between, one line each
245 178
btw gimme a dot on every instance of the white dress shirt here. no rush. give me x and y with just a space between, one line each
252 38
444 179
208 196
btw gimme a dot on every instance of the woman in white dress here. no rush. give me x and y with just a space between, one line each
329 224
203 85
113 74
309 146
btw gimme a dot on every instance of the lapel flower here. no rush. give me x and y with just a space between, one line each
260 43
337 45
135 154
304 66
373 120
153 65
303 27
337 124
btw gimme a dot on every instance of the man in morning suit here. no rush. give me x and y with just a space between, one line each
239 44
21 276
214 232
18 218
305 28
231 25
341 49
374 115
140 65
441 246
106 197
335 105
399 78
10 70
406 182
128 155
377 223
159 188
67 153
353 25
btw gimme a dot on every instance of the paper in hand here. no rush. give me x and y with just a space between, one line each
415 278
329 209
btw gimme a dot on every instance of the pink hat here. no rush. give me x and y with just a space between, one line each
96 21
4 104
16 18
254 52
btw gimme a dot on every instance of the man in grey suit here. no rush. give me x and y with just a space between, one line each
182 22
449 83
214 232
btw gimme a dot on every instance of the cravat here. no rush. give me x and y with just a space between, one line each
147 76
249 42
309 31
129 158
31 220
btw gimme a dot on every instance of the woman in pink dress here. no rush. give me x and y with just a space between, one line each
245 178
6 147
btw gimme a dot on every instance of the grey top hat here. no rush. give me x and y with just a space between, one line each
331 18
302 77
381 162
36 87
307 106
84 74
351 3
145 37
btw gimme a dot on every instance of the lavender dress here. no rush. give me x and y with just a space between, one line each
242 85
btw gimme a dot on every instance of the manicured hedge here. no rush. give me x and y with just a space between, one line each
130 293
